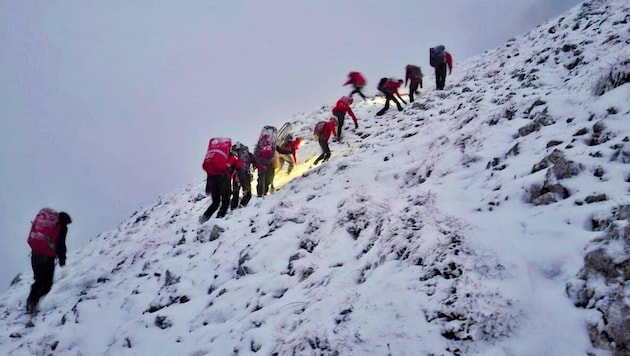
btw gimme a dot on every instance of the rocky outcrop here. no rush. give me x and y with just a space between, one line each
602 284
559 168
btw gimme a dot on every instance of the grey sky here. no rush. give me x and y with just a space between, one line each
106 105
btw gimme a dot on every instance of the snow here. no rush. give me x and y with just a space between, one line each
415 238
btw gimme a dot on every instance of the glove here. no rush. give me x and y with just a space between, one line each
62 263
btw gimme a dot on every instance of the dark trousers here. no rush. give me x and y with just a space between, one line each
43 271
323 143
357 90
413 89
341 117
440 76
236 191
219 189
389 97
265 179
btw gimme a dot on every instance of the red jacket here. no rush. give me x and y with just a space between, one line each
329 128
356 79
233 163
345 108
390 86
449 61
291 148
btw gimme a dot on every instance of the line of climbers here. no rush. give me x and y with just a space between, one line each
229 167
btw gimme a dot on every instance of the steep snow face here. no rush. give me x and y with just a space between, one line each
449 228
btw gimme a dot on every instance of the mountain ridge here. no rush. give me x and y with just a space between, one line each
448 228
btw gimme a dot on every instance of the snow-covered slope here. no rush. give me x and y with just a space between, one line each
450 228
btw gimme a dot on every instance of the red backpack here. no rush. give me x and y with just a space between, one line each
357 78
44 233
319 128
215 162
265 149
346 100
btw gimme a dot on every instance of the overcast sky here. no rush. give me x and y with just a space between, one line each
106 105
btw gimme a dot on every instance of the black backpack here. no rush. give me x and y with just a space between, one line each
415 72
437 56
243 154
380 84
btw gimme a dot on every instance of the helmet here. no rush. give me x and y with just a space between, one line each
334 120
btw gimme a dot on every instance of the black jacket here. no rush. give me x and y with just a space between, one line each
61 245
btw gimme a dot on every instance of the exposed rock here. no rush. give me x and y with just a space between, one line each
17 279
543 118
561 167
553 143
602 285
581 132
419 106
618 75
162 322
595 198
621 154
599 134
203 235
550 192
514 151
528 129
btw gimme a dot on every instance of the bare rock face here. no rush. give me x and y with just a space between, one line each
621 154
558 168
205 234
549 192
561 167
603 284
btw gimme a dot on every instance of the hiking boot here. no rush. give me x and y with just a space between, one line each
31 307
203 218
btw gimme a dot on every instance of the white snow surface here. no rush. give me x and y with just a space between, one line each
416 238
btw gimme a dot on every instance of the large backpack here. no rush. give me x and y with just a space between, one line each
319 128
243 154
215 161
265 151
437 56
381 84
44 232
283 134
346 99
357 78
415 72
